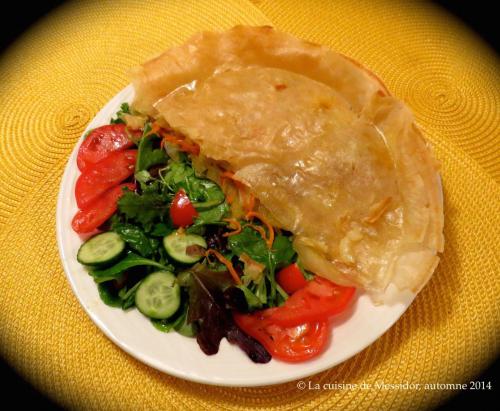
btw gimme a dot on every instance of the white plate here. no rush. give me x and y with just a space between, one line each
180 356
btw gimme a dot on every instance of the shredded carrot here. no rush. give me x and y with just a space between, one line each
223 184
183 144
226 262
246 198
233 224
270 239
155 129
191 148
250 204
229 175
259 229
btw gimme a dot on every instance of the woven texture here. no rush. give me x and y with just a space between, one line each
62 71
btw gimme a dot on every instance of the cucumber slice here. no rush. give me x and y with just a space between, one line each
159 295
101 249
177 244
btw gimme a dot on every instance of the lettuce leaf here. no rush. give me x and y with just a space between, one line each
131 260
149 156
124 109
207 309
281 254
145 209
135 238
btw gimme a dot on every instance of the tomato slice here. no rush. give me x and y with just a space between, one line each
317 301
299 329
291 278
102 141
291 344
100 177
182 211
88 219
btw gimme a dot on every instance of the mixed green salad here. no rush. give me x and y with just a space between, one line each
166 239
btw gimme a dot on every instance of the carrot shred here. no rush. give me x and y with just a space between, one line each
248 199
268 239
226 262
259 229
229 175
155 129
183 144
233 224
180 141
251 203
224 177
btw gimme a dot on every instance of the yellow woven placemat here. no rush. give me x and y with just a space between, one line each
62 71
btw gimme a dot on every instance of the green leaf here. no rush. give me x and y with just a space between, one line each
144 209
250 242
282 295
135 238
131 260
181 324
143 177
271 277
211 216
154 243
184 278
161 230
177 176
210 192
128 296
108 294
203 193
282 251
184 328
163 325
124 109
177 322
281 254
253 302
198 229
147 155
307 274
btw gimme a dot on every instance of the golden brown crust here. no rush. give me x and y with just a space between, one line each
318 139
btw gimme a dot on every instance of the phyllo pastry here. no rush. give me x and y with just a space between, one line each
319 143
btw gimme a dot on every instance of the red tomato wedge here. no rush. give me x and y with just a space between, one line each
88 219
291 278
101 142
100 177
317 301
182 211
291 344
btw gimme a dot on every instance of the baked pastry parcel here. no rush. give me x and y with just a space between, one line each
317 139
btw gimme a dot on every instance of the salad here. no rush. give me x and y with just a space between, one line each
176 237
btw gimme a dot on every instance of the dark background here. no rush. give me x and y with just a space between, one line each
478 15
